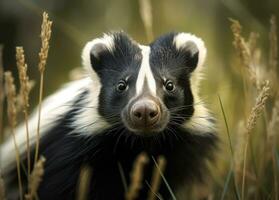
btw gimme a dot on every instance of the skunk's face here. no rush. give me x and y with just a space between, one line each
145 88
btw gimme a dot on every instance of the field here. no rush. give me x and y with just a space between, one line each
240 86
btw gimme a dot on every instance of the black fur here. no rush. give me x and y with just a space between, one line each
66 150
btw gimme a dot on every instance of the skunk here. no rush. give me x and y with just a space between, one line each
134 99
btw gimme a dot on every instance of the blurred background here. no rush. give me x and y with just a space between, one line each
77 21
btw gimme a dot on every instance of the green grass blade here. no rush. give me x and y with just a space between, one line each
124 182
164 179
226 186
227 126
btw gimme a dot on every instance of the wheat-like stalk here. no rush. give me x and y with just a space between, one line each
136 177
239 42
2 188
258 108
11 110
239 148
273 124
35 178
273 54
1 94
244 49
157 178
272 132
146 16
84 183
24 97
45 37
251 123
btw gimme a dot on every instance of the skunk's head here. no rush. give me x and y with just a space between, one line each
145 89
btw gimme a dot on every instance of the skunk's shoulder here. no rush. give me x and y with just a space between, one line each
54 108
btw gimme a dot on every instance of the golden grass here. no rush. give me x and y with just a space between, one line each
136 177
254 115
35 179
45 37
145 9
260 75
84 183
21 102
23 99
156 178
256 134
12 112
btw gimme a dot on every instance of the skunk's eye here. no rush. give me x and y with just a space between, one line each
121 86
169 85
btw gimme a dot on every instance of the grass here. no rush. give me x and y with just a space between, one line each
248 164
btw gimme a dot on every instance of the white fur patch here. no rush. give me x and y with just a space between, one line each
52 108
145 73
88 121
200 122
181 39
106 40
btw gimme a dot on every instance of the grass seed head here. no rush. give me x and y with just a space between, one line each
45 37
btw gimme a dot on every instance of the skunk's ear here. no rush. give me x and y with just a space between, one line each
95 50
192 48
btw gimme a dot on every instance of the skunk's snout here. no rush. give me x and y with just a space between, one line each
145 113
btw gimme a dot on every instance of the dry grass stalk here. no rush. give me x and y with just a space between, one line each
239 42
252 41
24 96
156 178
243 49
23 78
258 108
11 110
273 54
35 178
136 177
146 16
251 123
2 188
45 37
272 131
273 124
239 148
84 183
1 94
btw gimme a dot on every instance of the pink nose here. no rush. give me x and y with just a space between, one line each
145 113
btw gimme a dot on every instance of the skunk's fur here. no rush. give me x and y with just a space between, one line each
88 121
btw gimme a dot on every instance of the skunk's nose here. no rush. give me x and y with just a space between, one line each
145 113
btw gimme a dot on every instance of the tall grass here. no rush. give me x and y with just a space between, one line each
252 172
20 101
12 118
45 37
23 100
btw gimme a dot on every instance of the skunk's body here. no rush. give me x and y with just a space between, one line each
136 99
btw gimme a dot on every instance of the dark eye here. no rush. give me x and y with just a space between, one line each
169 85
121 86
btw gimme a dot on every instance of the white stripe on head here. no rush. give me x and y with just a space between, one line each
145 74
